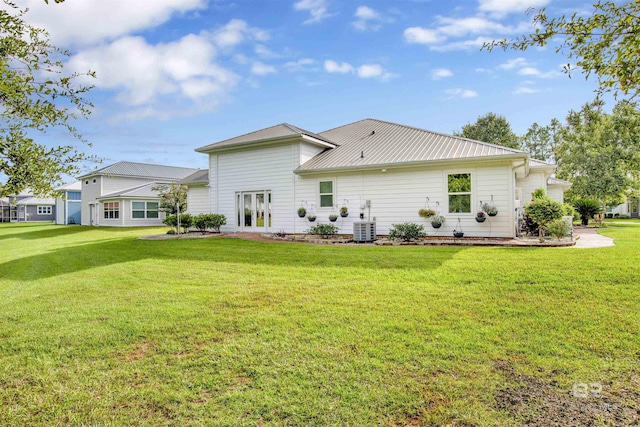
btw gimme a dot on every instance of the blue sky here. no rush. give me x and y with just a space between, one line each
174 75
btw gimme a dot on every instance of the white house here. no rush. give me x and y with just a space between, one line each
68 208
381 171
123 194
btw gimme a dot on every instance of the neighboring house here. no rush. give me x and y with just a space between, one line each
123 195
69 205
35 209
384 172
630 207
5 209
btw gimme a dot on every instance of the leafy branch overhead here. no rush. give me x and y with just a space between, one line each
606 43
35 96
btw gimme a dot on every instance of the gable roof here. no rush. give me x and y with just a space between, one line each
201 176
372 142
30 201
139 191
273 133
561 182
70 186
142 170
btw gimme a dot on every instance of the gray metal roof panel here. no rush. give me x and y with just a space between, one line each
37 201
556 181
376 142
282 130
199 177
139 191
143 170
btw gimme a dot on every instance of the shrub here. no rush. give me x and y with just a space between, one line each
539 193
568 210
558 228
543 211
407 231
587 208
186 221
323 230
204 222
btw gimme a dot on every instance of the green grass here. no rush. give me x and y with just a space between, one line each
98 328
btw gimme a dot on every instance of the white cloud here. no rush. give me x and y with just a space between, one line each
422 35
368 19
514 63
503 7
301 65
440 73
264 52
333 67
524 90
529 71
461 93
238 31
260 69
142 74
317 9
83 23
367 71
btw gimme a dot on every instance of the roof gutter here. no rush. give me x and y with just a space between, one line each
405 165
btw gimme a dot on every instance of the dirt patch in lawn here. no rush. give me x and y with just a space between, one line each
538 403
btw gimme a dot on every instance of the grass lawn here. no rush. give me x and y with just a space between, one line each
98 328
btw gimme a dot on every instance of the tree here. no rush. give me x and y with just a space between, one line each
600 153
491 128
541 141
34 97
587 208
173 197
543 211
604 42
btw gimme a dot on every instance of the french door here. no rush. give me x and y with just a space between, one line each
253 211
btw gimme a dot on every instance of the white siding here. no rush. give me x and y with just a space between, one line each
198 199
308 151
128 221
111 184
397 194
60 211
90 192
269 168
531 183
556 193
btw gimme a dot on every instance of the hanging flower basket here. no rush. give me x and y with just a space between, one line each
490 208
426 213
344 212
311 218
480 216
457 234
333 218
437 221
302 212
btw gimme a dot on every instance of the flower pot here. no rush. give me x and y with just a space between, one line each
458 234
311 218
301 214
333 218
492 213
481 218
344 214
436 224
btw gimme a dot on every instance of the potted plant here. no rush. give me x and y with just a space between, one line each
344 212
489 209
333 217
437 221
302 212
481 216
311 218
457 234
426 213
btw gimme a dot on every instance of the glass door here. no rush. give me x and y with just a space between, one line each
254 211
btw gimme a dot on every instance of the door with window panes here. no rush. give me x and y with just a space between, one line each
253 211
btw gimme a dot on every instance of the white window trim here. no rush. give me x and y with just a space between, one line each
471 193
145 210
102 217
47 210
333 193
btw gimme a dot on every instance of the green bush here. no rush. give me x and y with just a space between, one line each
324 230
543 211
213 222
568 210
587 208
186 221
558 228
407 231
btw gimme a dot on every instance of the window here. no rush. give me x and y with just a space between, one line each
326 194
74 195
44 210
144 210
459 189
111 210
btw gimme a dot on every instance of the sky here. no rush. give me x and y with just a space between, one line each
175 75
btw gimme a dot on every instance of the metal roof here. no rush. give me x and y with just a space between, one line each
143 170
283 130
373 142
199 177
36 201
535 163
556 181
71 186
140 191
